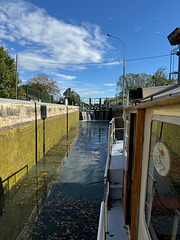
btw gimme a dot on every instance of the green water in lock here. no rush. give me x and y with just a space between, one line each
60 197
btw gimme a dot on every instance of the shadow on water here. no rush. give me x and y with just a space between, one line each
57 193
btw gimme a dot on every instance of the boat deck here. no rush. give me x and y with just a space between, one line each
117 230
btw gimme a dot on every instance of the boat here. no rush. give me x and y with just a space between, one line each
142 174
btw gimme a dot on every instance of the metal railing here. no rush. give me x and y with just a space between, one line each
103 219
35 95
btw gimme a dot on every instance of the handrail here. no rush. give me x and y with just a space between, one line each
111 140
113 119
101 230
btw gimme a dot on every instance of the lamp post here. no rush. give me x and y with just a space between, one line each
16 74
109 35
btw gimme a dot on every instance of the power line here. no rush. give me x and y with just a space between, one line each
95 63
145 58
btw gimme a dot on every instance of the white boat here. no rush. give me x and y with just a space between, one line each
142 176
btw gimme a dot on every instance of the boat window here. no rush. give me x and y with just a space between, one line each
162 208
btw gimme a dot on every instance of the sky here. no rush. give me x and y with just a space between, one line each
67 40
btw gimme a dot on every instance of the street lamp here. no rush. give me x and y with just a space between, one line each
109 35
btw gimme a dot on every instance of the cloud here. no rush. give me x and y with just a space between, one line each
65 77
112 63
110 84
90 92
64 84
137 29
44 40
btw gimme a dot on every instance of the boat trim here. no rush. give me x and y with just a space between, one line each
166 119
159 92
139 139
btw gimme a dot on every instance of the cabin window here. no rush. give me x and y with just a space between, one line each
162 208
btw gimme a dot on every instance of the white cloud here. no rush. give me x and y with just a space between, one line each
65 77
137 29
47 40
89 92
113 63
110 84
65 85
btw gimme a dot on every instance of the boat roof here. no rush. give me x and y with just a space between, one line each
157 96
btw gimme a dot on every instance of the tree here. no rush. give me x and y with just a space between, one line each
44 84
134 81
8 75
160 77
74 98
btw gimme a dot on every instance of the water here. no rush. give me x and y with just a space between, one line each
95 115
64 190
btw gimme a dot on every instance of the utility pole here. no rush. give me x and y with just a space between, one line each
16 73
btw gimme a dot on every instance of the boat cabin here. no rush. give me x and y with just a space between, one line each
150 171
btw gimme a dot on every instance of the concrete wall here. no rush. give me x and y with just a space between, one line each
27 131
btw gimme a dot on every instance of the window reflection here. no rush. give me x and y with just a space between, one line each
162 208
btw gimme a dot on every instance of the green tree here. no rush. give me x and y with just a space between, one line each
134 81
160 77
8 75
74 98
44 84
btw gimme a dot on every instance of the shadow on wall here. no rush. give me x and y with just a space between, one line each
43 117
1 196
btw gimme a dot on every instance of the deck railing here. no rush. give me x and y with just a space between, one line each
103 219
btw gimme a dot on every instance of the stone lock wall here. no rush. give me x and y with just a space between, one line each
27 131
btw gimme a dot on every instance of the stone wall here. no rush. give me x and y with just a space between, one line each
27 131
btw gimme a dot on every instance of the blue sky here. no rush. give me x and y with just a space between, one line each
66 39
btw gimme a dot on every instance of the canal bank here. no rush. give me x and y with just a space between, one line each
20 207
27 131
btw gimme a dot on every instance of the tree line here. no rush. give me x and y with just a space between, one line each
134 81
40 82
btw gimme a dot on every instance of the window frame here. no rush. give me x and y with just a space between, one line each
165 119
